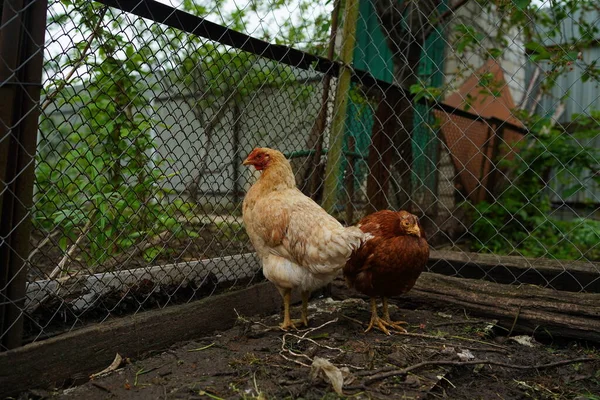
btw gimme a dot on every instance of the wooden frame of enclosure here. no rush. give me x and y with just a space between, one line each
568 312
15 202
525 308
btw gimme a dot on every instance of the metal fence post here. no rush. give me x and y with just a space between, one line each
495 174
336 141
22 33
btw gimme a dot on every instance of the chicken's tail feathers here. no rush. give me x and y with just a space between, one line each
356 237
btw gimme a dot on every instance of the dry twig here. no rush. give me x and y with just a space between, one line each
101 387
302 337
443 338
267 327
472 322
514 322
42 244
117 362
68 257
479 341
379 375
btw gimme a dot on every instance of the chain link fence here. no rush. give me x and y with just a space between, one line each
479 118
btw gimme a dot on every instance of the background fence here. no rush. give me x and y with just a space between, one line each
143 111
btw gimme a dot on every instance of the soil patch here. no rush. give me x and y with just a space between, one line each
255 360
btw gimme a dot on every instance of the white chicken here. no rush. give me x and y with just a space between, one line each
299 244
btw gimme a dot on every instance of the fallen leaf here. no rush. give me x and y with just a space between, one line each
444 315
523 340
465 355
325 369
113 366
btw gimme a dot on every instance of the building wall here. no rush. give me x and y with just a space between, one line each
458 68
277 117
578 97
513 60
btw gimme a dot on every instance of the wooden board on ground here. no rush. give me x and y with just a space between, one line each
90 349
535 309
573 276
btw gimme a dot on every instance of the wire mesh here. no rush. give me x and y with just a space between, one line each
453 113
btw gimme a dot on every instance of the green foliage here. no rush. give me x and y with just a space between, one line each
519 220
469 38
549 20
101 183
98 178
421 90
554 36
103 180
104 184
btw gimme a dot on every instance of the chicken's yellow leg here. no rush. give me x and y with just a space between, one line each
287 322
304 319
375 320
388 321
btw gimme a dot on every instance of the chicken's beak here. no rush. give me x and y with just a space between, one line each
415 231
247 162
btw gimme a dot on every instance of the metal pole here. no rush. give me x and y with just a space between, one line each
22 43
312 177
336 140
237 114
350 159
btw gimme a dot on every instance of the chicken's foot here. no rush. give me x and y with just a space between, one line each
388 321
287 322
375 320
383 323
303 321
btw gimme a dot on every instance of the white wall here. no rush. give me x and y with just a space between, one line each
513 60
277 117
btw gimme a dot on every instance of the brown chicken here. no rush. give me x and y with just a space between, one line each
389 263
300 246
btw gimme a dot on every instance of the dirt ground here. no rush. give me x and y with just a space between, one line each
255 360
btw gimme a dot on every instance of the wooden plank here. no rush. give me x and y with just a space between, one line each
573 276
92 348
536 309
